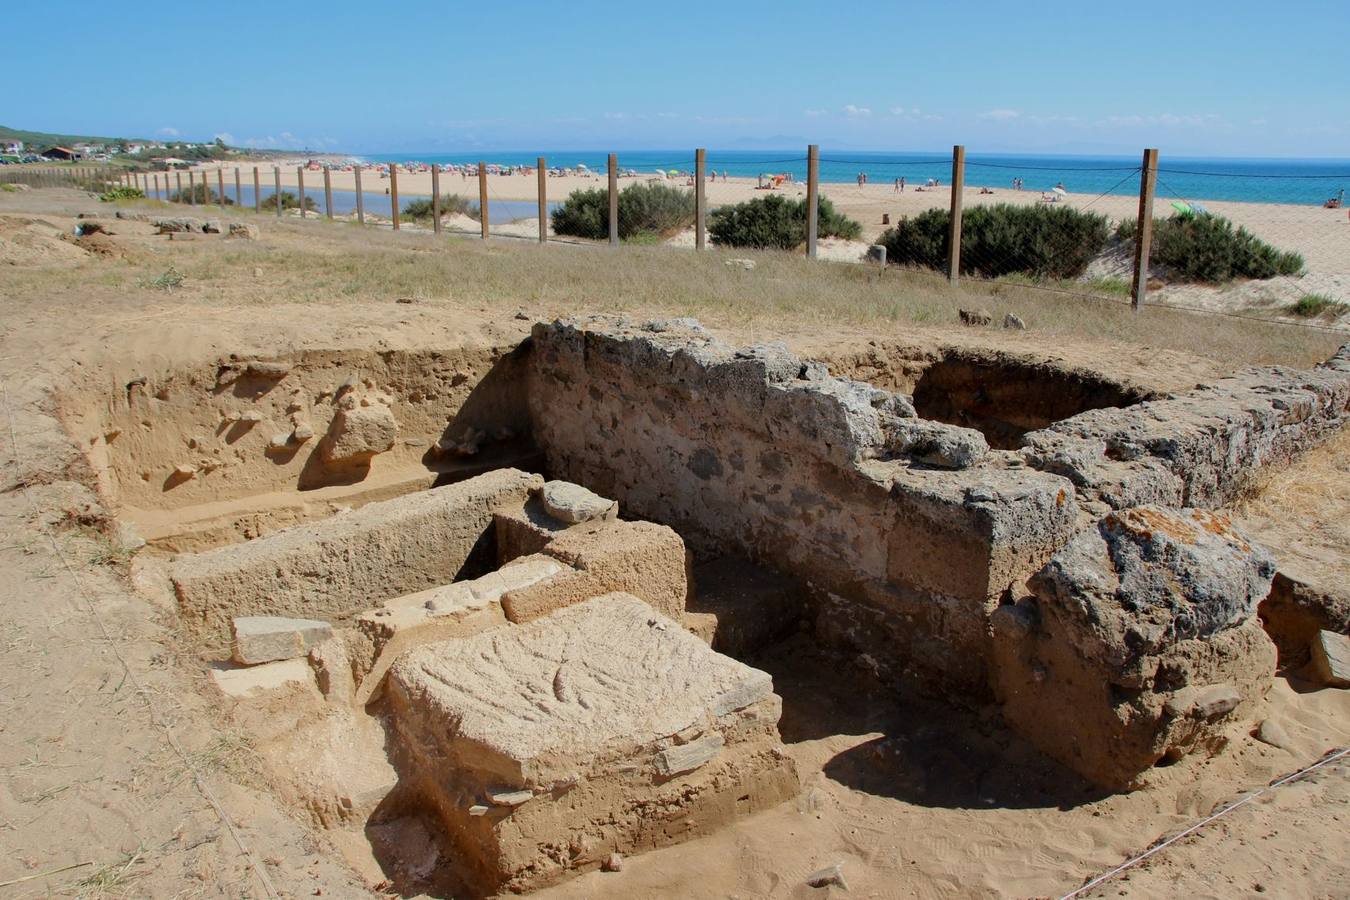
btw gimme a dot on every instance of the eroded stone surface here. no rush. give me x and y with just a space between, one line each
1201 448
915 525
348 563
452 610
1331 659
640 558
1140 643
260 639
604 725
573 503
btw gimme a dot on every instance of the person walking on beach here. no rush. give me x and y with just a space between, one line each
902 184
861 179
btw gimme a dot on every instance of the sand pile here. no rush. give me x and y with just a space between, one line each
33 242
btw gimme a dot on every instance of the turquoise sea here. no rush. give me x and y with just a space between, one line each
1302 181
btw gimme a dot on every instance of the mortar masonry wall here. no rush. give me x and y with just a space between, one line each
754 451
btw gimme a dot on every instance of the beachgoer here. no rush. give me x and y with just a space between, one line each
1060 187
902 184
861 178
897 185
724 174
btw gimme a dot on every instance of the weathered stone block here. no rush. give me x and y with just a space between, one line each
646 560
1331 659
260 639
604 728
572 503
348 563
359 433
453 610
1142 643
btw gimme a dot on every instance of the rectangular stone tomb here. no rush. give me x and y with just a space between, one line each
342 565
601 728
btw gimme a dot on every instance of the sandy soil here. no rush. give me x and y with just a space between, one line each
915 799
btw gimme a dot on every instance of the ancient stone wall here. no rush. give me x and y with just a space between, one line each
1201 448
910 531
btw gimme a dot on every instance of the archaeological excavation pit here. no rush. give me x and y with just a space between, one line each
513 596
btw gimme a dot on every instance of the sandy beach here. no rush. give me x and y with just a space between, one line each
1321 235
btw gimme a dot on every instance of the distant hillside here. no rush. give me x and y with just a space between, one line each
43 139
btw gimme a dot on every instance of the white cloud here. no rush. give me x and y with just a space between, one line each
857 112
814 113
166 131
1000 115
1171 120
615 116
284 141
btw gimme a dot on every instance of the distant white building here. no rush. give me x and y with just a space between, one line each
11 148
135 148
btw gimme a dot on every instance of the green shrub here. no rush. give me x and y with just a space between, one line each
644 209
1204 247
122 193
1312 305
200 194
289 201
659 209
451 205
1040 241
775 222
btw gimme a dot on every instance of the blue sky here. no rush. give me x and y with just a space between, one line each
1193 77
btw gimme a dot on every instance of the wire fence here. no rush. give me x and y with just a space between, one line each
1253 240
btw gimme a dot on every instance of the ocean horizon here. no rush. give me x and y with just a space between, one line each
1252 180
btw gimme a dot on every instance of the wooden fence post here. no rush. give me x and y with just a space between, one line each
156 185
276 175
328 192
613 200
700 199
360 198
257 191
436 198
1143 235
238 189
954 234
192 188
300 188
393 192
543 200
178 178
220 185
812 198
483 212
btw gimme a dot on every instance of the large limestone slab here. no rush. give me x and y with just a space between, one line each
1142 643
345 564
452 610
604 727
